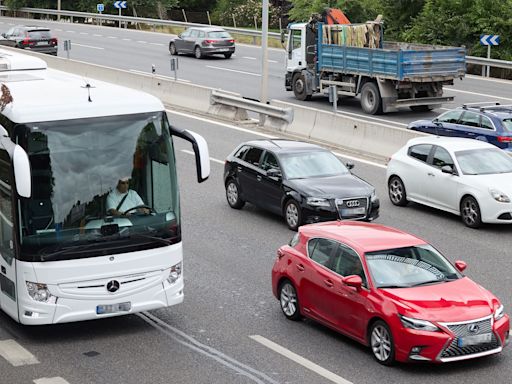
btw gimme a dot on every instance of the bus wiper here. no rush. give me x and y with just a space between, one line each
60 250
160 239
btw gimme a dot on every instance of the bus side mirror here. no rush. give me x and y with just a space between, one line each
200 150
20 164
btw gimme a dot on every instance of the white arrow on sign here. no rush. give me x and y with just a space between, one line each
120 4
490 39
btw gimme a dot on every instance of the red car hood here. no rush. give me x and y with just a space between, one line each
457 300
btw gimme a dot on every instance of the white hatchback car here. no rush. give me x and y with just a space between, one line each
469 178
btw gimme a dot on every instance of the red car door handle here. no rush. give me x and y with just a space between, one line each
329 283
300 267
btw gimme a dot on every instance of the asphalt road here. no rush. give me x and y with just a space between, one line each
228 255
138 51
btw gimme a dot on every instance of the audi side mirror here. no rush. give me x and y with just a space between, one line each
272 172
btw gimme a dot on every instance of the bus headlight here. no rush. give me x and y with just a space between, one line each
39 292
175 273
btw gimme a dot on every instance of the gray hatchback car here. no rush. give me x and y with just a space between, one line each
203 41
34 38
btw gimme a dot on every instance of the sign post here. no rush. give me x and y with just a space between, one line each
67 47
100 8
488 40
120 5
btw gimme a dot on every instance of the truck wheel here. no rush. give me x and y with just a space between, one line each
299 87
371 102
421 108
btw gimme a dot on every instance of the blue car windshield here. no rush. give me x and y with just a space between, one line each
484 161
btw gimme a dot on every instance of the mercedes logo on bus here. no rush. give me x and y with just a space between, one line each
352 203
113 286
473 328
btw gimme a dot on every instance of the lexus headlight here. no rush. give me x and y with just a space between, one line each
421 325
317 202
499 196
39 292
174 273
499 313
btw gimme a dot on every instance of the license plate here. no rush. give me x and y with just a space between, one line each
474 340
113 308
222 50
42 43
353 211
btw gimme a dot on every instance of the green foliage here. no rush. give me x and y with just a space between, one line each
244 12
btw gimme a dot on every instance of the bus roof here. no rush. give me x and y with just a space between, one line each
40 94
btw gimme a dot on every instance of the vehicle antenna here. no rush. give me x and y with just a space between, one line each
88 86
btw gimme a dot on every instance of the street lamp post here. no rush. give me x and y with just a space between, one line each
264 56
58 9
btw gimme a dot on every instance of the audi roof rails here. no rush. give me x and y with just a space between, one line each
480 106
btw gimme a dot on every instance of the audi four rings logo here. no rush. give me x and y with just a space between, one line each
473 328
352 203
113 286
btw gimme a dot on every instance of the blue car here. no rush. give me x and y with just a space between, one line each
492 124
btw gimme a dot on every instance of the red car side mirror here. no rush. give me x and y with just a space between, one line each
353 281
460 265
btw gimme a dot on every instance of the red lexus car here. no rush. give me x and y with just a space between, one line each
389 290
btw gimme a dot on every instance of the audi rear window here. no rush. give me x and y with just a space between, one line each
39 34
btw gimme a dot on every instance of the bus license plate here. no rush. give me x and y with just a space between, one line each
113 308
474 340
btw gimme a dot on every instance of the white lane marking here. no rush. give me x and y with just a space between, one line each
233 70
15 354
492 79
221 124
84 33
300 360
189 342
87 46
96 35
125 39
478 94
50 380
57 29
111 37
161 45
70 31
211 158
142 41
349 157
248 58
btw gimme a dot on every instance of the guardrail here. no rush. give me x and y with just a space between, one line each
134 20
283 115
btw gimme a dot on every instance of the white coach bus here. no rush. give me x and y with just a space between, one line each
89 203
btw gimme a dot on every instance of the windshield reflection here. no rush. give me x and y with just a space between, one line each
484 161
409 266
312 164
81 166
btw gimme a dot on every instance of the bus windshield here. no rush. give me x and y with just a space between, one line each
100 186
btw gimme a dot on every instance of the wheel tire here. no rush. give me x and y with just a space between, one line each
381 343
293 215
421 108
228 55
299 87
371 102
396 192
233 195
289 301
172 49
198 53
470 212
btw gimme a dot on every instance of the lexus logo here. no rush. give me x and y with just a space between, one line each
352 203
473 328
113 286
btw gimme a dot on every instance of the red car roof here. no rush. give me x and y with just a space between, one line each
365 237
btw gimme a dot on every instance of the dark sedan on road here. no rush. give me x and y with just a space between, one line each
203 41
491 123
37 39
303 182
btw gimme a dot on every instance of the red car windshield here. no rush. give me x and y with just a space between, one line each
409 267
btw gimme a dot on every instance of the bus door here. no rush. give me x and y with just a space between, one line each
8 297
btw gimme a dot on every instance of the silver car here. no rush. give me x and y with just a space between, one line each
203 41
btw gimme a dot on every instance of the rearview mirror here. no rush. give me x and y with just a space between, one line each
200 148
460 265
20 162
447 169
354 281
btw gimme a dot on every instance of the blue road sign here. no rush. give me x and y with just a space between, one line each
100 7
120 4
489 39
